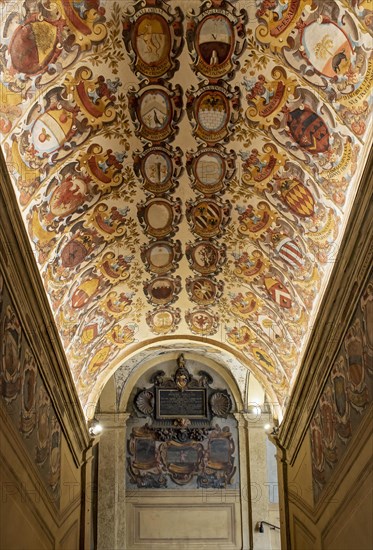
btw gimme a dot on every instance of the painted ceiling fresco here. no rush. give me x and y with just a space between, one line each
185 169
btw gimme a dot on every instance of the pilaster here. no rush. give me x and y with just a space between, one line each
243 437
112 481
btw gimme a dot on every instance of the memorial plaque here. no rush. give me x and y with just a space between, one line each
175 403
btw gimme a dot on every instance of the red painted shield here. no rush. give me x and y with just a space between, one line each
309 130
278 292
34 46
297 197
290 252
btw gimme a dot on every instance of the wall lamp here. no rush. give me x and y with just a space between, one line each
95 428
261 526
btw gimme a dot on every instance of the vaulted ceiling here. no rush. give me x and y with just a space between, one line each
185 171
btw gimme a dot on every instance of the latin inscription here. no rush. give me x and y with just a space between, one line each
187 403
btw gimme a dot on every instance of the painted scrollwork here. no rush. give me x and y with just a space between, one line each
11 350
28 392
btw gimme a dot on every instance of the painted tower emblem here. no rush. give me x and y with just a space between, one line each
214 110
216 38
160 168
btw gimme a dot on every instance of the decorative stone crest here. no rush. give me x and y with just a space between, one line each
180 442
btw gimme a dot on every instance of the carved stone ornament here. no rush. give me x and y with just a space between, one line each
153 36
156 456
155 111
161 257
210 168
182 400
180 443
213 110
220 403
159 167
144 402
182 376
216 38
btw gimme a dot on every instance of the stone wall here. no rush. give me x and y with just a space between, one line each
44 443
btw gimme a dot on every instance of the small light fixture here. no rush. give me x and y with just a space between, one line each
267 427
95 428
270 525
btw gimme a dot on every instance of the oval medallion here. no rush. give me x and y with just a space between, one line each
215 42
327 48
158 171
212 112
210 171
155 110
205 257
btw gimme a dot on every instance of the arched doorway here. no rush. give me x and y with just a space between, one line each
174 460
